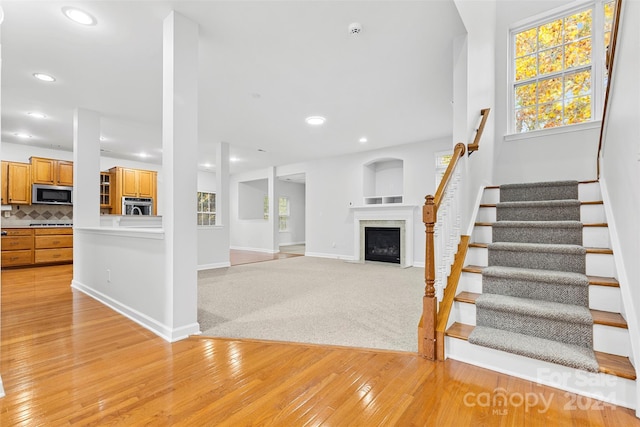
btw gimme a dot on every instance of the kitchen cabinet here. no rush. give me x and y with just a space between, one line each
53 245
129 182
5 177
105 190
28 246
51 171
17 247
18 183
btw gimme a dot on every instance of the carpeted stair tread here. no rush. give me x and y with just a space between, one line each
540 256
552 232
537 348
541 210
557 190
546 276
555 286
535 308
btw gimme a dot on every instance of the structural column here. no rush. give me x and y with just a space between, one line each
86 168
274 220
180 157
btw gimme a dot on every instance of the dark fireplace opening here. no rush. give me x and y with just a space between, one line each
382 244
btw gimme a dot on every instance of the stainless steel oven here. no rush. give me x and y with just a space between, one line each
137 206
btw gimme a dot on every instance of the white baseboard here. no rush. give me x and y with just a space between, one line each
292 243
165 332
214 266
419 264
330 256
242 248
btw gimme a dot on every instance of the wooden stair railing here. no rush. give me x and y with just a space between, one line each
475 145
427 327
610 56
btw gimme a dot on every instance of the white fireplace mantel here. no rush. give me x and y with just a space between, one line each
392 214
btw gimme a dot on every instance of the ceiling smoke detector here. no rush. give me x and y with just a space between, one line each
355 28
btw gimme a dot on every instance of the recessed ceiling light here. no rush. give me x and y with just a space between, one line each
22 135
143 155
363 140
44 77
79 16
207 165
102 138
36 115
315 120
233 159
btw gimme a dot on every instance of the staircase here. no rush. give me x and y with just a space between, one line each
538 298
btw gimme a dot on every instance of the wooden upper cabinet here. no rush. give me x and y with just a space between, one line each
51 171
146 183
65 173
4 179
18 183
126 182
130 182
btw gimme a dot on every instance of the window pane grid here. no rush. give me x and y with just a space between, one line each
206 209
547 59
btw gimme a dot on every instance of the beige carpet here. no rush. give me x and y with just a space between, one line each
314 300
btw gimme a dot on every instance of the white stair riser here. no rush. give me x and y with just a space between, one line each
599 386
592 237
605 298
464 312
601 265
486 215
593 214
589 192
608 339
477 256
596 237
490 196
470 282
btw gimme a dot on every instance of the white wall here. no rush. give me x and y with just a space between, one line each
213 241
621 169
474 71
247 234
295 192
549 156
335 184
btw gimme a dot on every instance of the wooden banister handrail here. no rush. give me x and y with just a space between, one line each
458 151
611 54
427 327
475 145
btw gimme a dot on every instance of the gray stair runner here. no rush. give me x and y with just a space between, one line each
535 292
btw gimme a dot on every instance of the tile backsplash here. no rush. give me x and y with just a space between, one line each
26 214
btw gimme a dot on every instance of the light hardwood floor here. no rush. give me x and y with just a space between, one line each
68 360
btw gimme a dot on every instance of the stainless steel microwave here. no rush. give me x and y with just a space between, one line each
51 194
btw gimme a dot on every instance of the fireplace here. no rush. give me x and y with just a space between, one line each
382 244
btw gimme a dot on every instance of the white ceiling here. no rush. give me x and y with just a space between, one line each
264 67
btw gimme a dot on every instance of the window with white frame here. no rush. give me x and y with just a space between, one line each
283 213
442 161
206 208
558 67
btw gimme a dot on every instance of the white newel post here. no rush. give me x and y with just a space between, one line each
180 159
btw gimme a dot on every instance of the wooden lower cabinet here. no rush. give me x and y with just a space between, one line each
24 247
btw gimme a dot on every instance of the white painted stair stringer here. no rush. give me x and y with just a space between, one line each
600 386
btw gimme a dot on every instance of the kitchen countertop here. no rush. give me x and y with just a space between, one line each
35 227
